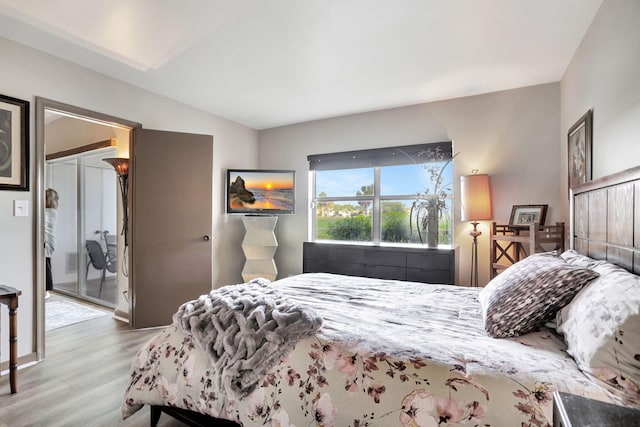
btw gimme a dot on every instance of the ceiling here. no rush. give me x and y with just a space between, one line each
272 63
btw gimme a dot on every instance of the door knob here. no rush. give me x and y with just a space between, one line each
206 238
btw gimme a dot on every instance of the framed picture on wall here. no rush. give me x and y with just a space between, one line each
523 215
579 154
14 144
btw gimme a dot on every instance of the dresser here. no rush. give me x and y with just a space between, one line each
414 264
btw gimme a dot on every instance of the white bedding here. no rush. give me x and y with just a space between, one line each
389 353
406 319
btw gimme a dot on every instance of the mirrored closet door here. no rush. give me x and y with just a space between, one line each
85 261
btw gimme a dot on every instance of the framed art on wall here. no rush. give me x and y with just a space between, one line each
579 153
14 144
523 215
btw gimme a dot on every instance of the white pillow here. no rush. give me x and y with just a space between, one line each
575 258
601 327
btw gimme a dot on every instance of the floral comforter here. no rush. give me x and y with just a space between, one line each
389 354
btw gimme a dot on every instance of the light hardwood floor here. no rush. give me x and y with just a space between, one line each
81 381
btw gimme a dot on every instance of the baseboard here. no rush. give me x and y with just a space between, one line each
23 362
121 316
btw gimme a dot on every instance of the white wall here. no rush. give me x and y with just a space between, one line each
510 135
605 75
27 73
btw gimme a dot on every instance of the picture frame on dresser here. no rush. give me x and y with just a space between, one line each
14 144
579 140
523 215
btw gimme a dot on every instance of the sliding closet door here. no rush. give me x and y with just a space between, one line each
171 221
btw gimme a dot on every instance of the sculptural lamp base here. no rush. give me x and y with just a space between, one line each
121 166
474 254
124 190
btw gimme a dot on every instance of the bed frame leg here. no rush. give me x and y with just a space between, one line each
155 415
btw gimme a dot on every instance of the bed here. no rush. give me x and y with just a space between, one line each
371 352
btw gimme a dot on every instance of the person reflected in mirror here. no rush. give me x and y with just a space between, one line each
50 220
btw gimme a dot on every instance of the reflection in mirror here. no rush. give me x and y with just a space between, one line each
85 261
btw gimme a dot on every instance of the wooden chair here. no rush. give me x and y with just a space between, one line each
511 244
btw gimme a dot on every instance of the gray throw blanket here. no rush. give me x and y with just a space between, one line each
245 330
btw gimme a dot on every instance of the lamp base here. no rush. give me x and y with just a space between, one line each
474 253
475 232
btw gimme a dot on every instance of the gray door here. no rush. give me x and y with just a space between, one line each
171 220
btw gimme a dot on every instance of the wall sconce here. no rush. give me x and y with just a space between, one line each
121 165
475 196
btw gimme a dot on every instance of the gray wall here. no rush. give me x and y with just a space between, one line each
27 73
604 75
510 135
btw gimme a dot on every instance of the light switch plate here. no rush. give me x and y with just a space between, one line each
20 208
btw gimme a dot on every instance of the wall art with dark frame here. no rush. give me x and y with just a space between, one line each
14 144
523 215
579 153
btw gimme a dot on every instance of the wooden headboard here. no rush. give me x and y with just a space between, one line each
605 219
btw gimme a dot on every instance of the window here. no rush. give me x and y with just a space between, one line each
375 195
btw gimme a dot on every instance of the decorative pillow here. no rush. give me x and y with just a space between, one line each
528 294
601 327
575 258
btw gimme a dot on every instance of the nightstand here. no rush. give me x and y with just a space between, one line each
570 410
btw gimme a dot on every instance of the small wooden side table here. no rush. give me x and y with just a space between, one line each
9 296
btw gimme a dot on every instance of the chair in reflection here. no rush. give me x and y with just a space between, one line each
111 242
101 261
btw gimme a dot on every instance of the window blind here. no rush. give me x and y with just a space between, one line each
388 156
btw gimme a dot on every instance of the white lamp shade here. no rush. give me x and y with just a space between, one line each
475 196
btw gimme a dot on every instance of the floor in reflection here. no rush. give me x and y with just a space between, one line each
107 296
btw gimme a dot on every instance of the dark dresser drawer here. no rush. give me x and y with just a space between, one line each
370 256
431 266
382 262
382 272
428 276
430 259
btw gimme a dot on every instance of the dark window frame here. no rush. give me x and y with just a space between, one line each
376 159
